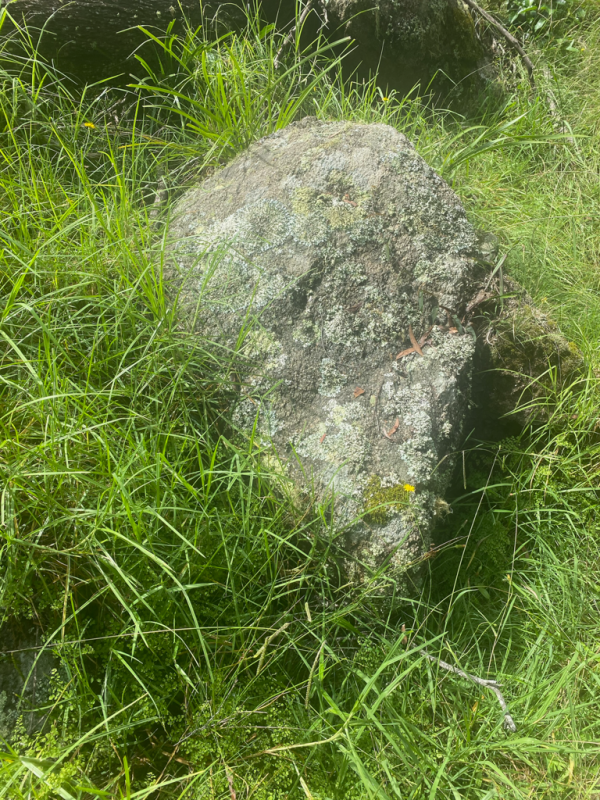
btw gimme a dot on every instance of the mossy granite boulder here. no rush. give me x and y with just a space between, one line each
333 243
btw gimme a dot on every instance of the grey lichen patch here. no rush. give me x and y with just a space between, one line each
306 333
263 225
325 242
310 229
332 380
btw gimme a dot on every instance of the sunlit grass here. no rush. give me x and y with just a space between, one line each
205 637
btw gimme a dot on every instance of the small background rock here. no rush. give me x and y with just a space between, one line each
518 344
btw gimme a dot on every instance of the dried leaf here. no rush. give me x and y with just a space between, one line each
232 793
406 352
322 439
452 330
414 342
392 430
346 199
358 391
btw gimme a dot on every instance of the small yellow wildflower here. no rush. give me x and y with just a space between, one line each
408 488
88 125
385 99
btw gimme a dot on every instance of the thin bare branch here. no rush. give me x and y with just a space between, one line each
508 36
292 32
509 723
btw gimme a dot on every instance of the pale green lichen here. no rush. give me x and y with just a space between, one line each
306 333
332 380
304 200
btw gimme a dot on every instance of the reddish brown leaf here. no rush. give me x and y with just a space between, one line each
406 352
392 430
358 391
353 309
413 341
322 439
346 199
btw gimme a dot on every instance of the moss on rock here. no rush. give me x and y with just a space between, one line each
522 356
380 501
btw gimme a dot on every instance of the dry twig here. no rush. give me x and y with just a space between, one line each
291 34
509 723
508 36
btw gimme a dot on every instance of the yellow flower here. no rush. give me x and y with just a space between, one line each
408 488
385 99
88 125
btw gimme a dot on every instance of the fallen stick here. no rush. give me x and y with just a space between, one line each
290 36
508 36
509 723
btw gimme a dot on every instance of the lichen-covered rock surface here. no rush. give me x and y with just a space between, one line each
332 244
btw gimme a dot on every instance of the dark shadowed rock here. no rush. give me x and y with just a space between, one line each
522 357
412 41
94 40
25 669
406 41
334 243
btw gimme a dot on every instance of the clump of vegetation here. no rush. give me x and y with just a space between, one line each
204 640
380 500
544 17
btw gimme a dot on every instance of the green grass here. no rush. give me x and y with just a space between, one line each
204 636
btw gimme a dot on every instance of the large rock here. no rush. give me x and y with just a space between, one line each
331 244
94 40
407 41
427 42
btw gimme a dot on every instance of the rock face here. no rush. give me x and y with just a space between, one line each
25 669
518 344
94 40
334 246
406 41
412 41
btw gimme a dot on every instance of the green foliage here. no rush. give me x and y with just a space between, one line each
380 500
204 638
542 17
